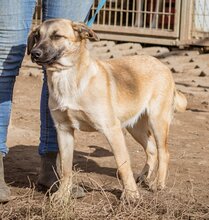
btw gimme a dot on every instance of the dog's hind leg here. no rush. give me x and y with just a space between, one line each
142 134
160 126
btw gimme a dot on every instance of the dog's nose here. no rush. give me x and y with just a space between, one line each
37 53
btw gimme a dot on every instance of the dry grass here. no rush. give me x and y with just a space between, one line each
103 203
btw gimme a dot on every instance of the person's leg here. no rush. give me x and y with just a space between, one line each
76 10
15 21
48 135
6 90
48 146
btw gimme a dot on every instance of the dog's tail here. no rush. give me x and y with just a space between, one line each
180 101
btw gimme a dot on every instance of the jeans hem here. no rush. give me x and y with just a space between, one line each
4 150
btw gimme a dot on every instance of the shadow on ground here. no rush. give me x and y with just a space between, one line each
22 164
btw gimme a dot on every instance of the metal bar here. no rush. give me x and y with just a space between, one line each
127 14
93 11
98 15
157 16
151 14
109 12
133 13
139 22
124 10
135 30
169 16
104 14
145 13
177 17
121 14
204 15
115 15
163 16
186 20
140 39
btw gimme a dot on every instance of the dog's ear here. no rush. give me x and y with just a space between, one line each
31 40
84 31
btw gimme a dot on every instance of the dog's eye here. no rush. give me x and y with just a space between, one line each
56 37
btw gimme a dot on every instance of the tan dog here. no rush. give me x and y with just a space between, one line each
135 92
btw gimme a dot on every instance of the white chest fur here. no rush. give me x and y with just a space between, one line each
63 90
66 94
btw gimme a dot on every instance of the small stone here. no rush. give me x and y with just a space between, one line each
173 70
177 69
202 74
205 103
191 61
197 67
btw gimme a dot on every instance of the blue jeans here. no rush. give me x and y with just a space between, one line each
15 23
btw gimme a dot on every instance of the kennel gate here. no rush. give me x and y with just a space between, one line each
164 22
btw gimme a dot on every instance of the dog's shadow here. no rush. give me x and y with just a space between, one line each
22 164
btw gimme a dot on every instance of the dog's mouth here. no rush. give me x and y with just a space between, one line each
44 62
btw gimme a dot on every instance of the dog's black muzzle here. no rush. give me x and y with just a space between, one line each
44 55
36 54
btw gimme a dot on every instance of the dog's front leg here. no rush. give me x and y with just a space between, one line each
65 137
116 139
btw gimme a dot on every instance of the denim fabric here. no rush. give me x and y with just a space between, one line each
6 90
15 22
48 134
75 10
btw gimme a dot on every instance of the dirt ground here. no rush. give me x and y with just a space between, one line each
187 193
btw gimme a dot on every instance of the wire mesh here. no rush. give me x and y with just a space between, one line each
201 15
151 14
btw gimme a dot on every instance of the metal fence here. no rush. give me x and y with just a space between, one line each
129 19
201 18
168 22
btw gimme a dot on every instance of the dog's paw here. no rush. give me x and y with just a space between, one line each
60 197
156 186
130 196
67 194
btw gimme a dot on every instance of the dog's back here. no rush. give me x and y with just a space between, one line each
138 84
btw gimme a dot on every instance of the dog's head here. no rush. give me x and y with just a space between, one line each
55 39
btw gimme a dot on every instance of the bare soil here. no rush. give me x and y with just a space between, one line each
187 192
